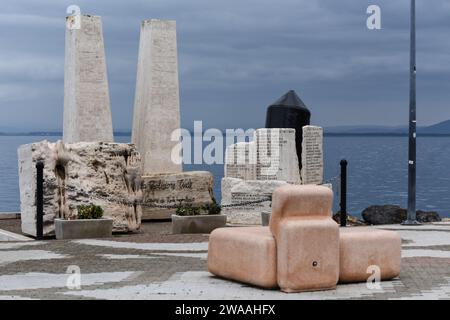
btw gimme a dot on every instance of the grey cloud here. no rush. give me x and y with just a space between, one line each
236 57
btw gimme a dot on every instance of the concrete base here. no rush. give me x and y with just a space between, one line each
83 228
174 189
245 254
363 247
197 224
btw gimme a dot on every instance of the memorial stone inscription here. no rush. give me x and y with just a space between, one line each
276 155
312 155
240 161
163 193
238 191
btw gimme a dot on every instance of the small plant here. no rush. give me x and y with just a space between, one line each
89 212
188 211
210 209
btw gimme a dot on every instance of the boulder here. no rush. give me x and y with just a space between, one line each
392 214
104 174
428 216
386 214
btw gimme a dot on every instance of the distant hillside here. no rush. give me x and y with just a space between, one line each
439 128
366 130
54 133
442 128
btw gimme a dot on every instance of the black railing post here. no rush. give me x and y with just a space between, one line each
343 203
39 200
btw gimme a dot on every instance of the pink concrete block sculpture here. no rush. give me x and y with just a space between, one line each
364 247
308 254
245 254
299 201
303 249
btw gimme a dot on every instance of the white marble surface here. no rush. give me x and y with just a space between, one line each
156 104
87 112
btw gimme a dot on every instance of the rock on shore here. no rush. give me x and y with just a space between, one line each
391 214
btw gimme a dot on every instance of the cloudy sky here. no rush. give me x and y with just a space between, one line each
236 57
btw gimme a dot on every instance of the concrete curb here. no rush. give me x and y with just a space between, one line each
10 236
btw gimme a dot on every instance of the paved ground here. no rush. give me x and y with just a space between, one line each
157 265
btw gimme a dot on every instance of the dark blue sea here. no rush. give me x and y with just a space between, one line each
377 170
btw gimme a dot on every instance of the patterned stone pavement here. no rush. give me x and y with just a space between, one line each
157 265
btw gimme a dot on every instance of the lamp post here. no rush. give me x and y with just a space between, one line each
411 214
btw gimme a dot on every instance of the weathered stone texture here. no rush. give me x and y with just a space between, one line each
312 155
235 191
157 106
193 188
240 161
87 113
276 155
104 174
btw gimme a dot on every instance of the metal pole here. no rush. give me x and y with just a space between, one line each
411 215
343 203
39 200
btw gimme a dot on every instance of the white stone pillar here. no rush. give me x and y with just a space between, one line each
87 113
157 106
276 155
312 155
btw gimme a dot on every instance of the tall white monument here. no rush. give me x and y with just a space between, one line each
87 113
156 127
157 105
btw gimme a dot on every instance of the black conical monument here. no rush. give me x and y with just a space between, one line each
289 112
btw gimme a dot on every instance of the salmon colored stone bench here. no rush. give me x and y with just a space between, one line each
364 247
245 254
303 248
